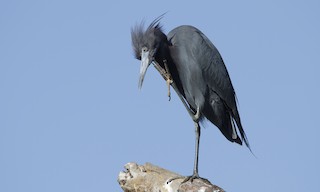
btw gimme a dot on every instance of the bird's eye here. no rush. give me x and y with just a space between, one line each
144 49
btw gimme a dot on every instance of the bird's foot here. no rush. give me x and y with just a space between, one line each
169 81
190 178
168 77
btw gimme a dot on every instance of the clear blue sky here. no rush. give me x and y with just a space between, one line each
71 114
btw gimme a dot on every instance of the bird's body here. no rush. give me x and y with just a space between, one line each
198 60
199 76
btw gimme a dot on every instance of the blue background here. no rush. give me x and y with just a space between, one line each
71 114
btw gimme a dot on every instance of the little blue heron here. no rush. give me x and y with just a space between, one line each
192 65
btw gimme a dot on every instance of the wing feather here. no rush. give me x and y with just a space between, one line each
214 70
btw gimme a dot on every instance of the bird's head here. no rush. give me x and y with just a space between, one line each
147 43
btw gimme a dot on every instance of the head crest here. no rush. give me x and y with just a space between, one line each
141 37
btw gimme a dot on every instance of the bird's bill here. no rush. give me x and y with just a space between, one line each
145 62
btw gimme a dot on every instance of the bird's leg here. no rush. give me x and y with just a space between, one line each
167 76
196 158
195 174
165 73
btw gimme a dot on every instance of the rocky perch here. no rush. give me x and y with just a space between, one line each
148 177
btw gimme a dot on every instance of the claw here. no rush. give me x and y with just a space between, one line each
169 81
174 178
193 177
189 178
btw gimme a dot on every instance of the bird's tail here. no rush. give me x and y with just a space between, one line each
221 117
236 120
227 120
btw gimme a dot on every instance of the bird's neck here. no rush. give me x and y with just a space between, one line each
163 55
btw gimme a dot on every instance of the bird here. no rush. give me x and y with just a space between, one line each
193 66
